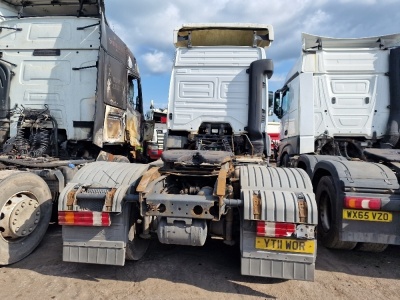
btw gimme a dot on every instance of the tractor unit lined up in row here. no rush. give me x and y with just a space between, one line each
213 180
340 115
70 88
72 130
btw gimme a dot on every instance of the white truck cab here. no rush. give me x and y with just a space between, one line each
340 116
210 80
337 88
213 180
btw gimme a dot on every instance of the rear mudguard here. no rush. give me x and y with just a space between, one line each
100 244
279 190
307 162
362 179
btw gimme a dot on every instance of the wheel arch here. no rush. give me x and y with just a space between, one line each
286 149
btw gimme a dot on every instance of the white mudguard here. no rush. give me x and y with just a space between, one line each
100 244
274 197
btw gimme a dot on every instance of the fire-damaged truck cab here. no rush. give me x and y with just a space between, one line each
69 88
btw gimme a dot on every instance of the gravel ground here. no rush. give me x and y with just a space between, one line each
209 272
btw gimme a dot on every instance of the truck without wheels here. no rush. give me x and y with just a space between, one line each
340 114
69 89
213 180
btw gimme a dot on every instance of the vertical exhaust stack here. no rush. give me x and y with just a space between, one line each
257 71
393 127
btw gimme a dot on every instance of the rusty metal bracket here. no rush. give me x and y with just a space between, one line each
147 177
109 199
221 184
221 189
71 199
257 205
303 208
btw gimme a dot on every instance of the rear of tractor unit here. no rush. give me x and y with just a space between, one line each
340 114
69 89
213 180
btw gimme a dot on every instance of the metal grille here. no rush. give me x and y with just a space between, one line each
160 139
90 204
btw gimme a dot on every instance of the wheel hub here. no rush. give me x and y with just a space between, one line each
19 216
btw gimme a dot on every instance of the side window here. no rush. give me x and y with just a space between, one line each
285 101
134 94
130 95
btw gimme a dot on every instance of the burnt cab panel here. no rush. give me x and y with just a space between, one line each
119 97
120 69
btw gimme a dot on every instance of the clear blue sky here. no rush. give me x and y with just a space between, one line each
146 27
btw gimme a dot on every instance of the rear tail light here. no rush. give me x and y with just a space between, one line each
84 218
362 203
273 229
277 230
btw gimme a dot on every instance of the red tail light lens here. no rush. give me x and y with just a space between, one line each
362 203
273 229
84 218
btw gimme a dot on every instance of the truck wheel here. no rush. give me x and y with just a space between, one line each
371 247
25 212
136 247
285 162
327 223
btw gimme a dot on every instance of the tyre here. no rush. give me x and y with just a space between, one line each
285 161
25 212
328 227
136 247
371 247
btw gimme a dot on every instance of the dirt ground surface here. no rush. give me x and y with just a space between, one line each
209 272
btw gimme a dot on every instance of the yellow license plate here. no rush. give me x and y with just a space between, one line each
367 215
285 245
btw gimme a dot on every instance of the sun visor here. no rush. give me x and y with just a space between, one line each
223 34
314 42
58 7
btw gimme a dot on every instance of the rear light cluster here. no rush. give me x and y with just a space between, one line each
278 229
275 229
84 218
362 203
